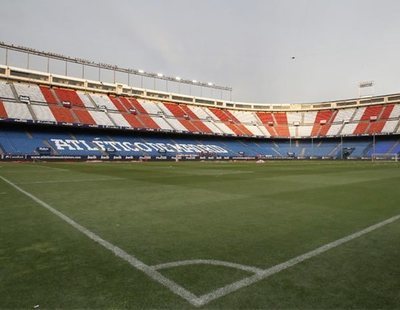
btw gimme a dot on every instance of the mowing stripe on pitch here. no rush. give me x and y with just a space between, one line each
71 181
47 167
132 260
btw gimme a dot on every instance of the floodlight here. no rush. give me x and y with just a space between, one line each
141 71
160 74
178 78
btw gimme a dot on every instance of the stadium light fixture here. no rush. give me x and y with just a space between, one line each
178 78
104 66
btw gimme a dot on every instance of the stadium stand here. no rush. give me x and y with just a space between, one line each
278 132
81 143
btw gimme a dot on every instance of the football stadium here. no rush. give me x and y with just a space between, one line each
116 195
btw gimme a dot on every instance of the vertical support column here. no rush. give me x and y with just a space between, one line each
312 147
341 146
373 143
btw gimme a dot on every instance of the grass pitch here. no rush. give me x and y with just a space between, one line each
257 215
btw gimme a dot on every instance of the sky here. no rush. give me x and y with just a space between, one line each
248 45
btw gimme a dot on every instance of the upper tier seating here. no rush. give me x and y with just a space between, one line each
176 124
162 123
31 90
5 91
71 96
62 115
49 95
61 105
17 110
102 101
150 107
344 115
43 113
334 130
390 126
119 120
101 118
84 98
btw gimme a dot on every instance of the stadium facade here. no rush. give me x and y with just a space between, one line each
48 116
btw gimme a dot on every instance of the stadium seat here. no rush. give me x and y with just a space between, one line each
119 119
101 118
282 129
43 113
62 115
103 101
17 110
69 96
322 123
31 90
84 116
5 91
48 95
118 104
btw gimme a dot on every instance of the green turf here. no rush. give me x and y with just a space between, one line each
258 215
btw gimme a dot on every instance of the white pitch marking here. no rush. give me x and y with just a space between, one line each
204 299
72 181
207 262
3 193
132 260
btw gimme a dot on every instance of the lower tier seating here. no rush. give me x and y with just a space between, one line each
28 140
